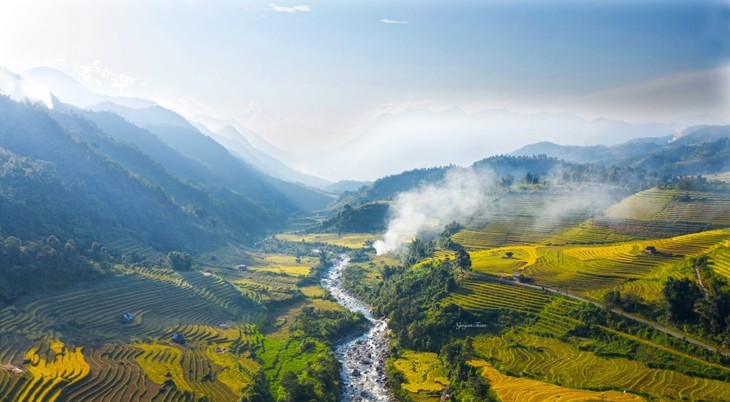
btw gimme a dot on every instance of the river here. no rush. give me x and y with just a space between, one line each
363 376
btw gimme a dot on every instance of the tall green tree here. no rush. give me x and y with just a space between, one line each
180 261
680 296
463 260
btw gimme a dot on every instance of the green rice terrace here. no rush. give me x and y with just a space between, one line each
570 307
574 308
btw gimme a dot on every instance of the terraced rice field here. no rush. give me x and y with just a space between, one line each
519 389
230 256
553 361
664 213
356 240
530 217
285 265
94 312
133 247
546 309
52 367
591 270
589 232
720 260
266 287
114 375
496 262
424 373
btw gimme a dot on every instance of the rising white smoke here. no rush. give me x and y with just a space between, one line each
431 207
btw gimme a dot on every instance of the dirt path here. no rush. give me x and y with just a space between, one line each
699 278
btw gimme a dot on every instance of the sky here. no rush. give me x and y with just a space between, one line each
311 75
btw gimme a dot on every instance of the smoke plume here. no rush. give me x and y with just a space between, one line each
431 207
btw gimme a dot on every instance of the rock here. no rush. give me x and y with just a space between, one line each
355 373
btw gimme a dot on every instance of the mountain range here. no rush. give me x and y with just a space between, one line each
121 175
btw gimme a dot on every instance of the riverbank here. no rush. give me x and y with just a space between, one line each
363 376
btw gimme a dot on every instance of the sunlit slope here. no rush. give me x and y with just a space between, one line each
551 360
514 389
542 217
663 213
545 347
101 357
532 216
590 270
624 266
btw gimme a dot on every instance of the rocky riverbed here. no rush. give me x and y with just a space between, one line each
363 376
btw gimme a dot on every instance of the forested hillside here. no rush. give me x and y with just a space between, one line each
112 180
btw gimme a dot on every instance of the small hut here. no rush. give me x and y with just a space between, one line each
518 277
242 267
651 250
178 338
127 318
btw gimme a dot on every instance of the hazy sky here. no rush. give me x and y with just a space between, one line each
304 74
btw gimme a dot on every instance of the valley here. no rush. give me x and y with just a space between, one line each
141 260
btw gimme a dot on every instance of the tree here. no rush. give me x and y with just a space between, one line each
180 261
531 178
680 296
463 260
506 181
715 312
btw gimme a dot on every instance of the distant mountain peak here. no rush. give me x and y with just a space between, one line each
20 89
73 92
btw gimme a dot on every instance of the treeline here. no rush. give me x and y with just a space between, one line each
705 311
684 303
365 218
28 267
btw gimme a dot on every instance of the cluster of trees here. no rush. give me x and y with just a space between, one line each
694 183
467 384
364 218
627 301
34 266
687 303
445 241
180 261
411 301
417 250
326 324
317 382
319 379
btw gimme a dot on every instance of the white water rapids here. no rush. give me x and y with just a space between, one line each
363 376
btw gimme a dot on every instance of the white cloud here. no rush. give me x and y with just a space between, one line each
97 76
389 21
292 9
